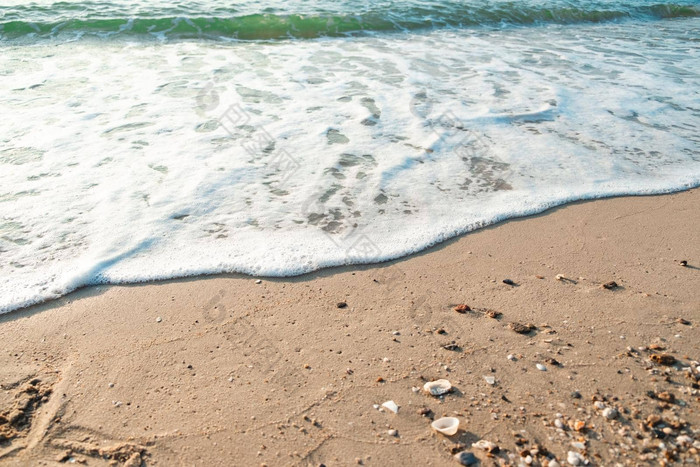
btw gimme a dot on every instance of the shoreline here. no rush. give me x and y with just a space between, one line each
207 369
341 267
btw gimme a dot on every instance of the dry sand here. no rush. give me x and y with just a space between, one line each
224 371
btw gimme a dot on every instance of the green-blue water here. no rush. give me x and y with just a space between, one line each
297 19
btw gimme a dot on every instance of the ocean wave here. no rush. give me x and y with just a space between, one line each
45 22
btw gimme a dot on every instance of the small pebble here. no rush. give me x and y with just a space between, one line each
493 314
610 413
342 305
508 282
258 281
159 319
392 433
466 458
111 385
541 367
574 458
511 357
559 424
490 380
663 359
522 328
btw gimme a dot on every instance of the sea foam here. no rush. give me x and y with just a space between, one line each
133 161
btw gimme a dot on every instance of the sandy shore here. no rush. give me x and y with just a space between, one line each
225 371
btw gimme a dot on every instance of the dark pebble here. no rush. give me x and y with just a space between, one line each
521 328
466 458
610 285
663 359
508 282
576 395
452 346
342 305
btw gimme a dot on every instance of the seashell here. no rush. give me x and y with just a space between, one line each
391 405
446 425
438 388
487 446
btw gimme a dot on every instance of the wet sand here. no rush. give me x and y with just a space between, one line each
226 371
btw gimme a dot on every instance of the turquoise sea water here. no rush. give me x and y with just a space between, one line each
147 140
298 19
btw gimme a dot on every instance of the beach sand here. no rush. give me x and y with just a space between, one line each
227 371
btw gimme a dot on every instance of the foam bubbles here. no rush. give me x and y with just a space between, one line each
128 162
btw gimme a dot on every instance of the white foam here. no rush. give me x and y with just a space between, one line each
114 168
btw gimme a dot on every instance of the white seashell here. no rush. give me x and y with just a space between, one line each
490 380
391 405
438 388
487 446
446 425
